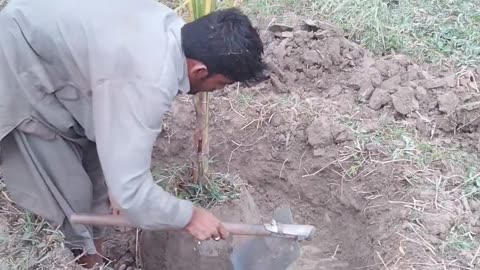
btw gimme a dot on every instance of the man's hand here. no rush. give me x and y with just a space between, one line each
114 207
204 225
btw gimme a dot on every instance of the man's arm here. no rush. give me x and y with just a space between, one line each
127 120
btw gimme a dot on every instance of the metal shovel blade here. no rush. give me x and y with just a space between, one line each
267 253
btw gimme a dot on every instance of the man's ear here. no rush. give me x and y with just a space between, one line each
197 69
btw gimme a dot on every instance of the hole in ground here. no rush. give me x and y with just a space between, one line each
343 240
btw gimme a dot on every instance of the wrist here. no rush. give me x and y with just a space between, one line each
186 213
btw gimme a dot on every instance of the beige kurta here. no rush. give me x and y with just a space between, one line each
105 71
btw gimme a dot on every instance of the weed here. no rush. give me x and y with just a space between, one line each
357 158
246 99
461 239
177 180
434 31
28 242
400 144
472 189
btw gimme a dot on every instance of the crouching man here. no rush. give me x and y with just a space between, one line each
83 89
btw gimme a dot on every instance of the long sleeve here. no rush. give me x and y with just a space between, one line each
127 119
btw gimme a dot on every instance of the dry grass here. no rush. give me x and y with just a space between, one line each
257 108
28 242
177 180
423 165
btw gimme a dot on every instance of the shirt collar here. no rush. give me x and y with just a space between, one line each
181 60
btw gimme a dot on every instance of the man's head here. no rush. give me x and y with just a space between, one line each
222 48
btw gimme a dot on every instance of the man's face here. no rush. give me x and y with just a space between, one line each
202 81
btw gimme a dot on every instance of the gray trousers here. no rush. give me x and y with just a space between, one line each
53 176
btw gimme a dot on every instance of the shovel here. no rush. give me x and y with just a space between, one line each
271 246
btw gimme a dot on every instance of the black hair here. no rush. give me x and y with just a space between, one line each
226 43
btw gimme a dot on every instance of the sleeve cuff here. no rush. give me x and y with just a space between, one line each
185 212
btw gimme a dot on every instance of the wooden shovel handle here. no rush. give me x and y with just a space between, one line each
304 231
100 220
121 221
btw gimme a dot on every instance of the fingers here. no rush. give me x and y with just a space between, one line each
201 235
220 233
204 226
216 236
223 232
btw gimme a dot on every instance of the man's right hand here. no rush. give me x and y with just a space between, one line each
204 225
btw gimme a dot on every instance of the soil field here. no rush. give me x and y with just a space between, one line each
378 153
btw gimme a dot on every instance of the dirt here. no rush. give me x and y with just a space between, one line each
342 137
319 133
404 100
288 138
447 103
379 98
180 251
